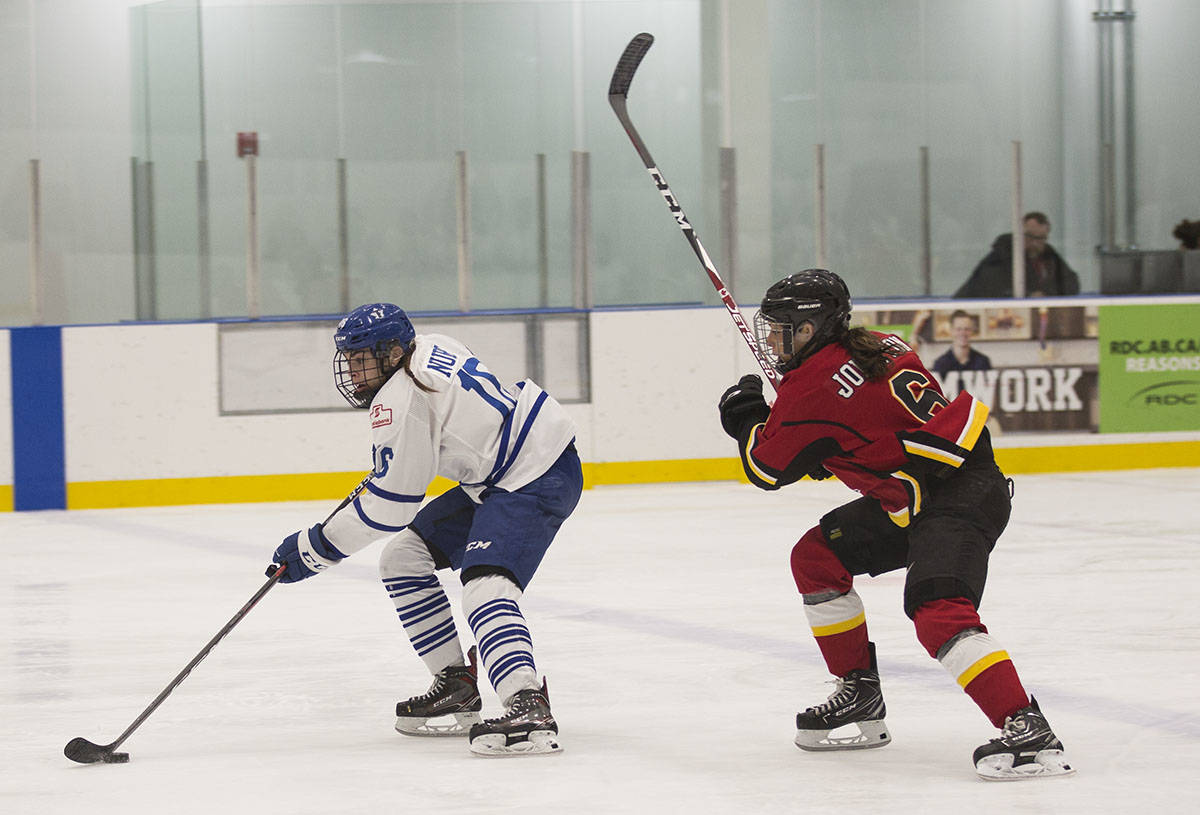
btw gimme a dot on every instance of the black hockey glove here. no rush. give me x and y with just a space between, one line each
743 406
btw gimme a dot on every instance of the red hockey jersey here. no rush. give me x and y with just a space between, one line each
880 437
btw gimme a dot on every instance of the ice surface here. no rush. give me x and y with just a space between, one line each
675 645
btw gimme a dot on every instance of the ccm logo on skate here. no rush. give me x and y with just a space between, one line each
478 545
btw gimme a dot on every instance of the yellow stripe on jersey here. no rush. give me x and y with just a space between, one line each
902 517
751 464
927 451
975 423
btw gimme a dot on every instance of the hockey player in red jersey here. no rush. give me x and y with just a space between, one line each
859 405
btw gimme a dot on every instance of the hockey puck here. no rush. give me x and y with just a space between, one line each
116 758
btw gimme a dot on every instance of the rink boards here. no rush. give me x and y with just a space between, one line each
140 414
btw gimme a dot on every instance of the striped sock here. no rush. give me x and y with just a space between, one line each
839 623
984 670
505 647
425 612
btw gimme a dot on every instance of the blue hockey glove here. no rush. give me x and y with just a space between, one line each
304 553
743 406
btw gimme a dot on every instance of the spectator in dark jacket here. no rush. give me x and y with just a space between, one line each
1046 273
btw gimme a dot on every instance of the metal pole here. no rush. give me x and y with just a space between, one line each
1018 226
1107 127
35 242
728 188
581 236
543 232
151 287
819 194
463 226
727 166
926 226
535 362
204 238
1130 132
139 248
253 300
343 222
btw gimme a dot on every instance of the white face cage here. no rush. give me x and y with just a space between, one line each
774 339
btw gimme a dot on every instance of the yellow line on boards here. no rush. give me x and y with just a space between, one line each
335 486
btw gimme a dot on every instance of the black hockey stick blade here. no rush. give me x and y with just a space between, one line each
628 64
84 752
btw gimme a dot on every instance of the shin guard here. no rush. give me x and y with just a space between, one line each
832 606
951 631
406 569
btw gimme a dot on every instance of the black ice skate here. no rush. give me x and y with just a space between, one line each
527 728
453 698
856 708
1027 748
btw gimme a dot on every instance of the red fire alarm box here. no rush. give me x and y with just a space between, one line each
247 144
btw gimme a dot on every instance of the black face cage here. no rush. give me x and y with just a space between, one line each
764 327
360 396
356 396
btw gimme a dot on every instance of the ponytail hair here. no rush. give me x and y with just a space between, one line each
869 351
406 363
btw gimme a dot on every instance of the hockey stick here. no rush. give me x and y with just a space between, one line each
85 752
618 93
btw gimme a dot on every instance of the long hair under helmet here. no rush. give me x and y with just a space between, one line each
816 296
376 327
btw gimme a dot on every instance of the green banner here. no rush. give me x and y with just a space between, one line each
1150 367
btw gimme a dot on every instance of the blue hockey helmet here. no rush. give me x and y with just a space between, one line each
377 328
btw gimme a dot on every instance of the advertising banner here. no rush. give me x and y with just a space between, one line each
1036 367
1150 367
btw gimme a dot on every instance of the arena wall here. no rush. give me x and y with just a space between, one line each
142 424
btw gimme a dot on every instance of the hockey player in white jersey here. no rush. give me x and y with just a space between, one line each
436 410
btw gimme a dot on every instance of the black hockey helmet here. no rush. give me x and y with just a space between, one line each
377 328
816 296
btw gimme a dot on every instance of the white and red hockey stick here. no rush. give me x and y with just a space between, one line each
618 92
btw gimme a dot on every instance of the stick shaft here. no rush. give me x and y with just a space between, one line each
182 675
618 91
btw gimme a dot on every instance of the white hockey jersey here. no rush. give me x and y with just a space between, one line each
467 427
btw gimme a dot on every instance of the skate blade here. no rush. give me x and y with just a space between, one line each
493 745
1046 764
856 736
459 724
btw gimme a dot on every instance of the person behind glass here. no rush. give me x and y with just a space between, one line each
436 410
961 356
1046 273
1188 233
859 405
